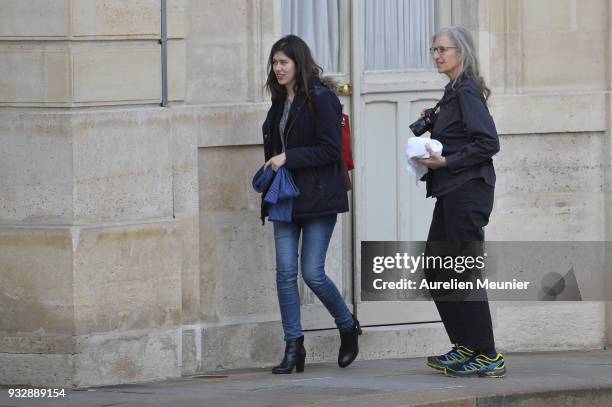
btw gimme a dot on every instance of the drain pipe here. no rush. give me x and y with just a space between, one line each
164 52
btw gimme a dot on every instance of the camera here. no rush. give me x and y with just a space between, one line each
425 123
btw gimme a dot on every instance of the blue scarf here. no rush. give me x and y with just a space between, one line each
280 191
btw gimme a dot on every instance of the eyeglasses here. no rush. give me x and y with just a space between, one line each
439 50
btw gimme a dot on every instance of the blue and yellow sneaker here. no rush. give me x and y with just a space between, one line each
457 355
479 365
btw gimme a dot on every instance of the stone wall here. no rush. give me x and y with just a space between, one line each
99 205
549 67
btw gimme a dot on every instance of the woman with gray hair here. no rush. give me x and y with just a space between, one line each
462 179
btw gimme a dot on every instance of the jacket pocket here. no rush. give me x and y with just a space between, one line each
316 180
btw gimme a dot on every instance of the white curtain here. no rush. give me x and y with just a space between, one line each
398 33
317 23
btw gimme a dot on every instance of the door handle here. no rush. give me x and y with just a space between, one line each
345 89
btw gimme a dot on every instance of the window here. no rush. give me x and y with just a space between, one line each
317 23
398 34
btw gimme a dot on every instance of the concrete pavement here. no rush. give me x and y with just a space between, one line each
534 379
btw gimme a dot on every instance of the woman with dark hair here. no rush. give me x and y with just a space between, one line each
302 132
462 179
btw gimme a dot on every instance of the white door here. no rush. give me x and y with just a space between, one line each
393 80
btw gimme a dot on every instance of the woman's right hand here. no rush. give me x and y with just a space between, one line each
434 161
423 112
276 162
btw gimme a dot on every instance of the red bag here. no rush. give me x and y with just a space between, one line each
347 154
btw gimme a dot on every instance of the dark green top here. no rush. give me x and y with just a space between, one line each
283 120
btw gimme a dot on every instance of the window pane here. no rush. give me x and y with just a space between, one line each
398 33
317 23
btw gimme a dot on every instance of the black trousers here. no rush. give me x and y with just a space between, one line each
457 229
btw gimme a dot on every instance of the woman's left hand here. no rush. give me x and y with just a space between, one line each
277 161
434 161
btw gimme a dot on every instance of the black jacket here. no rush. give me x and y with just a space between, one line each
313 143
468 136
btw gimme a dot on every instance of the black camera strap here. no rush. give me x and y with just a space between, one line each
437 105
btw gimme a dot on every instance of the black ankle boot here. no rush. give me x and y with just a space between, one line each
295 354
349 345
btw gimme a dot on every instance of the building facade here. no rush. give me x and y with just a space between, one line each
130 242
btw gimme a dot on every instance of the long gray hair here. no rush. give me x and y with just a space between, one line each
463 40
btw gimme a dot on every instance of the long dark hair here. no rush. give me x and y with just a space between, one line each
305 67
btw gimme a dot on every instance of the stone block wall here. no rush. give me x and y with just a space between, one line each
99 204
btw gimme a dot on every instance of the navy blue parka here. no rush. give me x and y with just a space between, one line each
313 141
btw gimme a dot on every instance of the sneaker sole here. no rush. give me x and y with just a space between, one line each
437 367
486 374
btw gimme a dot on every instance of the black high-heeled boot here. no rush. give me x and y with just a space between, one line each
349 345
295 355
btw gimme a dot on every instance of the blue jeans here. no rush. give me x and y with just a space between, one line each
316 234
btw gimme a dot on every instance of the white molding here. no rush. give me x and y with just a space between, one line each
344 40
359 185
402 81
